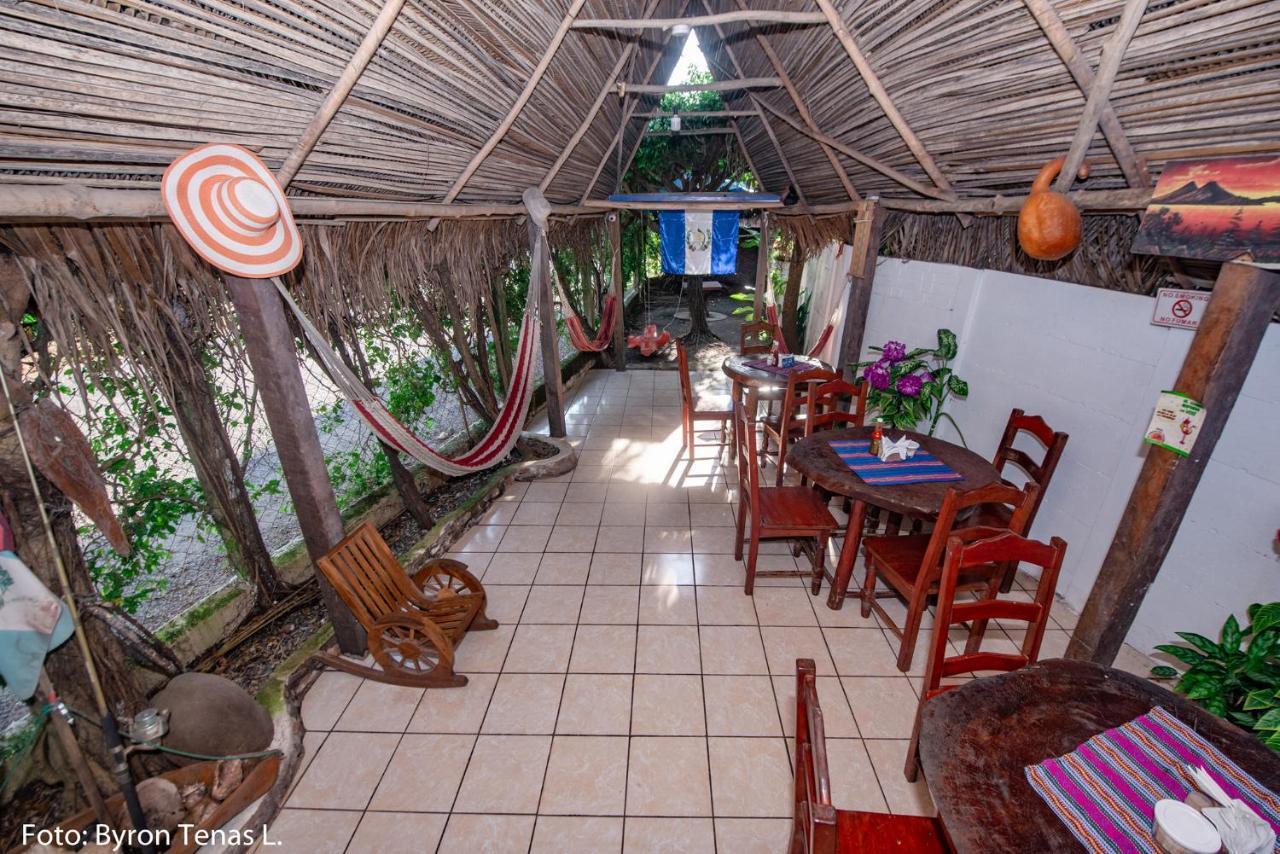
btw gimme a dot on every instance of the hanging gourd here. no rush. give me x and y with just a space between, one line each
1049 225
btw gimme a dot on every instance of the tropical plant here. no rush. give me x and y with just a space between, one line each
911 386
1237 678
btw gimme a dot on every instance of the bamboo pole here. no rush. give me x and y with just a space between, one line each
594 110
1056 32
619 292
881 95
1100 93
505 125
749 16
762 268
341 88
715 86
776 62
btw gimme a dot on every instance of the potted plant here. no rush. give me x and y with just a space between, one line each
908 387
1237 678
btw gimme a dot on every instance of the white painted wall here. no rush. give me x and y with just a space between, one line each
1090 362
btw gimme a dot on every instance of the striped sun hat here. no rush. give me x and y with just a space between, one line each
232 211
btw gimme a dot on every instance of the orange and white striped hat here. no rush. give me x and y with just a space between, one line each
233 212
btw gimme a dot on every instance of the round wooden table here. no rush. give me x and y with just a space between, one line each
976 741
737 369
813 458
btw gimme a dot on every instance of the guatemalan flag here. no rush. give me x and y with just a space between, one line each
699 243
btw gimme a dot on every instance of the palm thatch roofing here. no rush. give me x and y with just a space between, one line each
952 99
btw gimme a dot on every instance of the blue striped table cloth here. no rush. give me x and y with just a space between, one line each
921 468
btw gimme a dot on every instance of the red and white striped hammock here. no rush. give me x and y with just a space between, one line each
771 314
490 450
577 332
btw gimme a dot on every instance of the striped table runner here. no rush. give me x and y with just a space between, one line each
1106 789
921 468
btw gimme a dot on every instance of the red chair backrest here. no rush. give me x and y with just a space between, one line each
815 816
835 404
744 406
1019 501
686 385
799 394
755 337
971 549
1040 473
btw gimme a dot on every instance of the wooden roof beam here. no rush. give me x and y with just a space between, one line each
872 80
590 117
845 180
534 79
1100 92
747 16
742 145
865 159
1047 17
341 89
717 86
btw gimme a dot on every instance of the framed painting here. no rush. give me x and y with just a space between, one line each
1225 209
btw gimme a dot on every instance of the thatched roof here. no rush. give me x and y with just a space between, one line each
104 95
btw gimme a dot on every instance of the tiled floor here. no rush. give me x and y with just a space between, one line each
633 696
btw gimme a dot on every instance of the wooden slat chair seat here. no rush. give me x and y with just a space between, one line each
985 550
414 622
694 408
911 565
818 827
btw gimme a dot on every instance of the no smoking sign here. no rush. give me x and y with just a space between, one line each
1179 309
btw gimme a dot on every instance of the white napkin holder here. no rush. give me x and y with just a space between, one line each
897 450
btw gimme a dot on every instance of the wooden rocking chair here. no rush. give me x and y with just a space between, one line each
414 622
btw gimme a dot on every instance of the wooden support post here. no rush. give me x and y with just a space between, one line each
540 288
1244 301
762 268
1100 93
619 292
855 313
274 360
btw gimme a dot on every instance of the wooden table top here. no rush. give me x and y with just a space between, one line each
737 369
813 458
976 741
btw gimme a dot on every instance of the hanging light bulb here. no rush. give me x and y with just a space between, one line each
680 30
675 123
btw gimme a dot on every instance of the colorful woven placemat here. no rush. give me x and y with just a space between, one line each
921 468
795 367
1105 791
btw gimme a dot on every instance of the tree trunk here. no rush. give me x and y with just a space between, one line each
791 299
699 329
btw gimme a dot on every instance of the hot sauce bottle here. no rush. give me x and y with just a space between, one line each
877 438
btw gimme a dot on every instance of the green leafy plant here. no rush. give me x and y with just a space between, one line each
1237 678
908 387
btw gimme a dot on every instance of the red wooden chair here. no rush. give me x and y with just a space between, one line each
837 404
820 828
775 511
693 409
972 550
789 424
755 337
911 565
1039 473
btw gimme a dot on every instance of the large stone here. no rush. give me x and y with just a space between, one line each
212 716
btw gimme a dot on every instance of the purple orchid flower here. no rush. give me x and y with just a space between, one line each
878 375
909 385
894 351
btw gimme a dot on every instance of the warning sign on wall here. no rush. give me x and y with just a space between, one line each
1179 309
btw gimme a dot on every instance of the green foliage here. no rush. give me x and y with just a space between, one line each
912 386
132 437
1237 678
410 378
686 163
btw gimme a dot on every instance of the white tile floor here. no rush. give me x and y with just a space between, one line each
633 697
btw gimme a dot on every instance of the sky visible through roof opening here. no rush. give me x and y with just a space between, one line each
691 61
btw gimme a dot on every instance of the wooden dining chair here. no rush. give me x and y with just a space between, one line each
968 551
756 337
817 827
1039 473
788 425
792 512
694 409
837 404
911 565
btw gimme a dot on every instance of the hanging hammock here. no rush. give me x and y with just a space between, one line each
496 444
577 332
771 314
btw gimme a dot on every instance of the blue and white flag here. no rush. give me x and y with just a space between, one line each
699 243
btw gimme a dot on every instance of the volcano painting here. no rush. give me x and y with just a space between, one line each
1215 210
